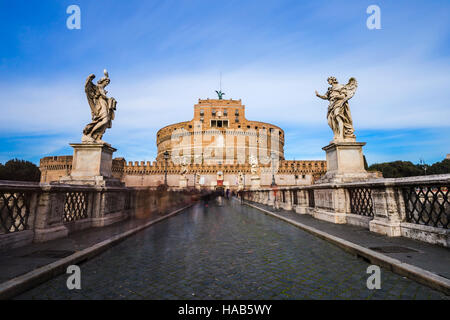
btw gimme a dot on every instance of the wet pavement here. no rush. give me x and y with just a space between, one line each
427 256
227 252
19 261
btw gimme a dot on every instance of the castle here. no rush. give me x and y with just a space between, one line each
214 149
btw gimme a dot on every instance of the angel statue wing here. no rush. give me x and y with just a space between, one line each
350 88
91 90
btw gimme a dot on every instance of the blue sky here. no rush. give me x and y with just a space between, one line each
164 55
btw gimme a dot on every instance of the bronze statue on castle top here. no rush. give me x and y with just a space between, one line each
220 94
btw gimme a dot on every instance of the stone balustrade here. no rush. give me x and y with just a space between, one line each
37 212
413 207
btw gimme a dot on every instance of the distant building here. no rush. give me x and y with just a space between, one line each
213 119
448 156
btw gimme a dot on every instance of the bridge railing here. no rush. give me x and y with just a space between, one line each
414 207
41 212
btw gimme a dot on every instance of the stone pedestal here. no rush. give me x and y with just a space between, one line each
256 182
91 164
183 182
345 163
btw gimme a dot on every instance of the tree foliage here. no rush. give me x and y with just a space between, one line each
19 170
398 169
440 167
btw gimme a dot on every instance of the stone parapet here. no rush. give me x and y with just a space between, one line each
413 207
39 212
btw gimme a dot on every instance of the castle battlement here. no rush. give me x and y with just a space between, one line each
219 102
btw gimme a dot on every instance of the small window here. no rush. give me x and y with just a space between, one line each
213 123
201 119
202 112
256 127
213 112
303 176
239 126
225 123
225 113
237 120
219 123
248 127
236 113
190 126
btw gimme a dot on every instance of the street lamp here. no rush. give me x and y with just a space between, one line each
274 185
195 178
166 157
423 165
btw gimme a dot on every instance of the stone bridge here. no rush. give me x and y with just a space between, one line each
223 249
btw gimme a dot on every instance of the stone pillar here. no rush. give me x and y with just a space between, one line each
277 200
183 182
49 216
302 206
266 197
255 182
271 198
331 204
288 197
91 165
389 211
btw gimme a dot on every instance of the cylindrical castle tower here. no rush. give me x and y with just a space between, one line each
221 124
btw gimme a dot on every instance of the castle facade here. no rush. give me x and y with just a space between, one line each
218 147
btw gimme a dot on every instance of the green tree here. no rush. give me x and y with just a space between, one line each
397 169
442 167
19 170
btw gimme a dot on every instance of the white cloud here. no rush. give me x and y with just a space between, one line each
389 96
394 94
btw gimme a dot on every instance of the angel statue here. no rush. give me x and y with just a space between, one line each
339 116
184 168
254 164
102 109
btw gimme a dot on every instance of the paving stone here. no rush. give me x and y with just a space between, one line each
227 252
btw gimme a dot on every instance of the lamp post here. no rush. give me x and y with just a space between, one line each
423 165
166 157
195 178
274 185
